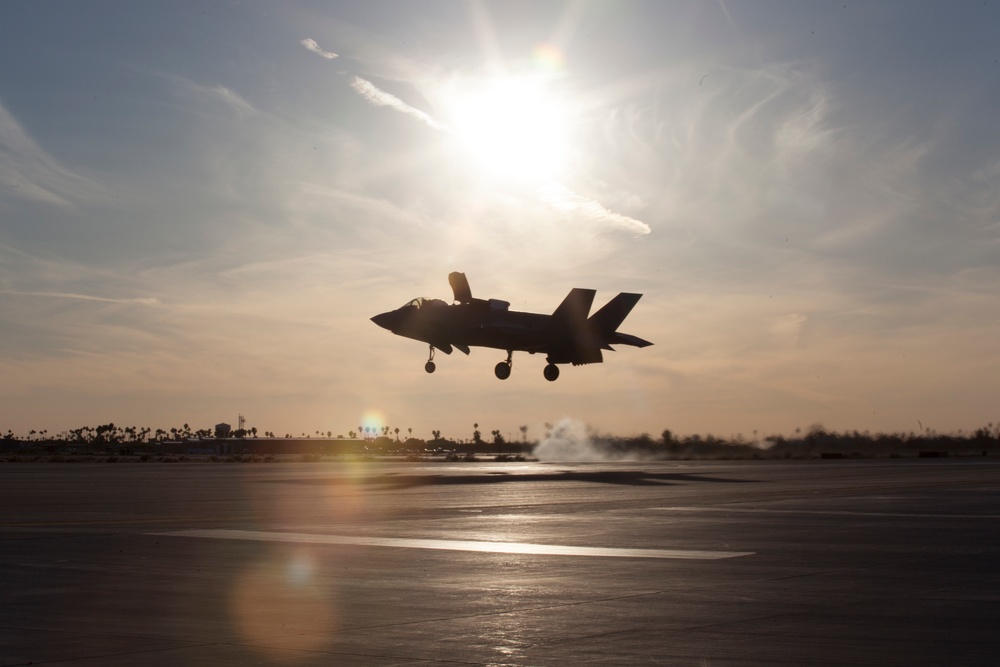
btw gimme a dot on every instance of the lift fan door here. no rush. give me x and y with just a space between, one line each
460 286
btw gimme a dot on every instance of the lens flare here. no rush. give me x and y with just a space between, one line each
283 603
549 57
372 421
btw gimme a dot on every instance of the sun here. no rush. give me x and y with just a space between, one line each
512 126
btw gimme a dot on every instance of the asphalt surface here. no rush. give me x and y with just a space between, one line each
890 562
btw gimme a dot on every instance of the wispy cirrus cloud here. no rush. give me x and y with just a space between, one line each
138 301
214 95
380 98
562 198
28 171
313 46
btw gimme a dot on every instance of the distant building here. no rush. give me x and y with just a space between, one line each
222 430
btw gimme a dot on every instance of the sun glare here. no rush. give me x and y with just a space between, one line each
515 127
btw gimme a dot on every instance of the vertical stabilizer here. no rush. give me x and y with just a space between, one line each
607 320
575 307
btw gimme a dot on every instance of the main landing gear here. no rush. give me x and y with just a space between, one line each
502 369
429 366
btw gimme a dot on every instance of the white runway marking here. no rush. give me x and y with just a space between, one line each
457 545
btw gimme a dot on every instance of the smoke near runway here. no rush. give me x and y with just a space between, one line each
571 441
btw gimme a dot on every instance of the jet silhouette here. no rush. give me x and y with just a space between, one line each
568 336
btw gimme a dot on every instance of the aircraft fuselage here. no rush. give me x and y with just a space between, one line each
565 336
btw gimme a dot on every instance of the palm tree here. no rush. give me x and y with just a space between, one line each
524 433
397 434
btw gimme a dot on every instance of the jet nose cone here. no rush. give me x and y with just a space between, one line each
384 320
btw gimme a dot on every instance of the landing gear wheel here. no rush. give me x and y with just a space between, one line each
502 369
429 366
551 372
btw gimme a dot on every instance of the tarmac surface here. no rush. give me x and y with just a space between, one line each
880 562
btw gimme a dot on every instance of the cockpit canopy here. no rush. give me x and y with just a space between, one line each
424 302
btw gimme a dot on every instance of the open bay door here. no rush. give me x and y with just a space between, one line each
460 286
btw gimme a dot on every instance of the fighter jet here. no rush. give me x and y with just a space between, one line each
570 335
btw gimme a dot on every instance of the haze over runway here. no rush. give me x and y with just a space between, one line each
879 562
202 205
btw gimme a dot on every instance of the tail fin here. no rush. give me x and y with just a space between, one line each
575 307
607 320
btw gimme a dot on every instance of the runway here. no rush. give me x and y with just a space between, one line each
880 562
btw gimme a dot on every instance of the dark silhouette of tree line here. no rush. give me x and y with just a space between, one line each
816 442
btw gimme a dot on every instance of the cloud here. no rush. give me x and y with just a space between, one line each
229 98
311 44
380 98
562 198
28 172
233 99
139 301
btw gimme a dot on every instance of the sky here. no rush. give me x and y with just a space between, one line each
203 203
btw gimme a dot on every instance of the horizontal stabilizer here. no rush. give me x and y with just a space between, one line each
628 339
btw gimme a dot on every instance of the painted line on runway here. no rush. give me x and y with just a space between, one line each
895 515
525 548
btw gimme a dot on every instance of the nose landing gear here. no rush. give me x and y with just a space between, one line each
429 366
